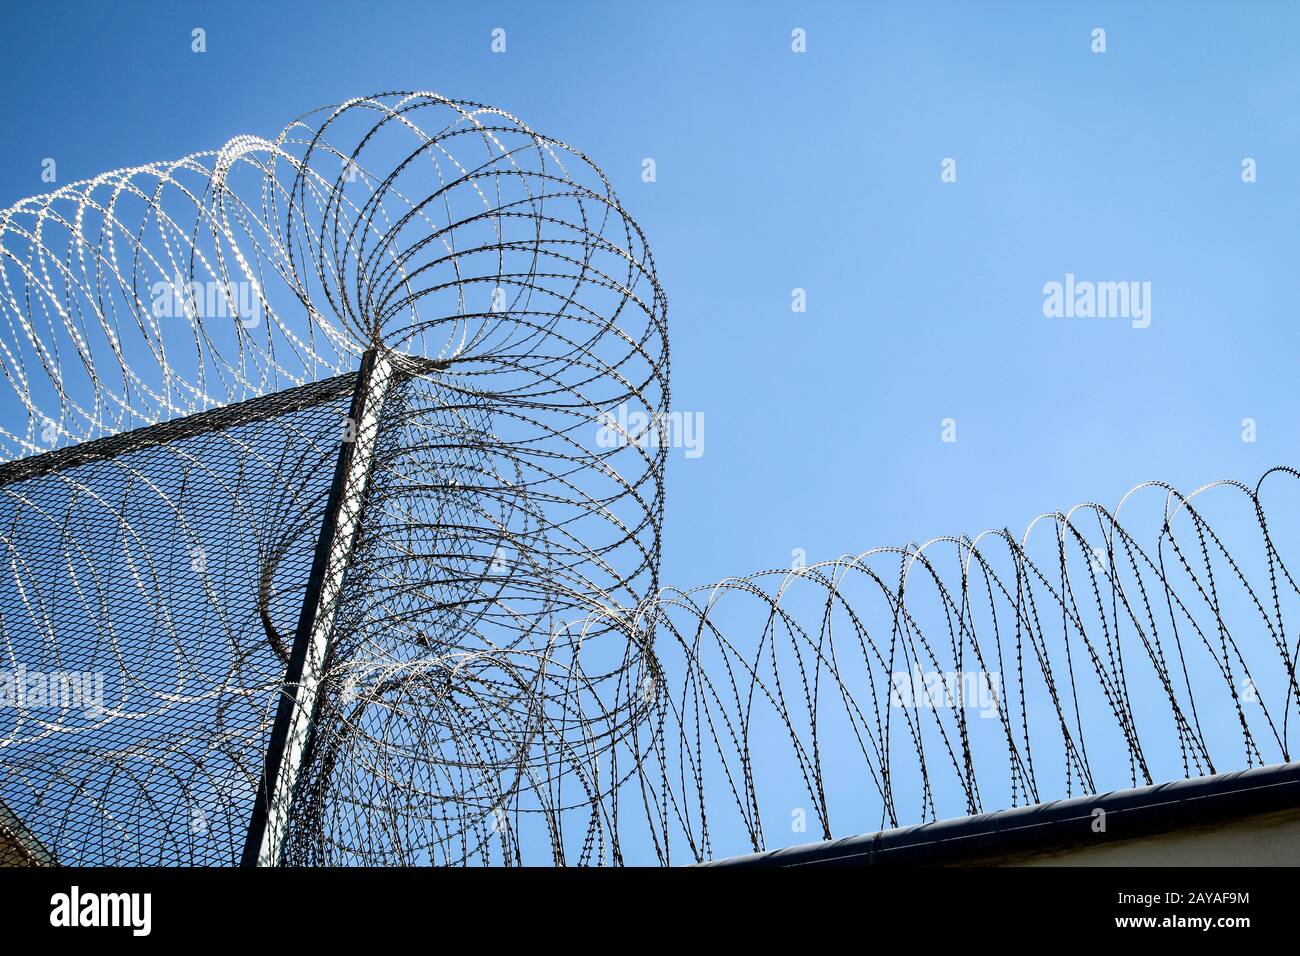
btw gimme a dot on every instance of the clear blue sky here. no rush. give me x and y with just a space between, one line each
821 171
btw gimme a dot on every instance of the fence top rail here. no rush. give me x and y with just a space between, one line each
178 429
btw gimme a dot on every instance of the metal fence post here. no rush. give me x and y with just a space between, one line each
291 734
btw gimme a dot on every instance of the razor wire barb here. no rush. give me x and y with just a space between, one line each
505 680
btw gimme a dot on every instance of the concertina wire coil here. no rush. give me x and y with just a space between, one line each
507 681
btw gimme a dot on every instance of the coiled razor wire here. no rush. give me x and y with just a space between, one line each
504 679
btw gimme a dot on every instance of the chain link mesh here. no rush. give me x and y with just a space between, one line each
153 581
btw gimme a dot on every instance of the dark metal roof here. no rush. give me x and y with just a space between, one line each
1060 825
18 847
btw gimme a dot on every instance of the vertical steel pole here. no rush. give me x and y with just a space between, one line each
291 734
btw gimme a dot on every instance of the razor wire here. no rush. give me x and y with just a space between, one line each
502 679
